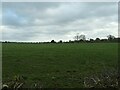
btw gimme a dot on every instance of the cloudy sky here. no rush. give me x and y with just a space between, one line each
45 21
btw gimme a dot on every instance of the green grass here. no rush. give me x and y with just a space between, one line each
57 65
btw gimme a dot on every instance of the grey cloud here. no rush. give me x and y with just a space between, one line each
46 21
55 13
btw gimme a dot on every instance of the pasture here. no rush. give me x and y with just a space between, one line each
57 65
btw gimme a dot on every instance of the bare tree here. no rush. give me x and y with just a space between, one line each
77 37
82 37
110 37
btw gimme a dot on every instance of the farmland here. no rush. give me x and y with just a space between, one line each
57 65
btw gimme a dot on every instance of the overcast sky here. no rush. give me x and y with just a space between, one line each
45 21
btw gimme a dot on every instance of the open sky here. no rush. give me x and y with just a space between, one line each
45 21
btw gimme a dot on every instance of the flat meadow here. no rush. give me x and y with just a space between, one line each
57 65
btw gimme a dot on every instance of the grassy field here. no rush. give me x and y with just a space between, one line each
57 65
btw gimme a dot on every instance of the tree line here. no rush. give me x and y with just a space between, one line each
77 39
